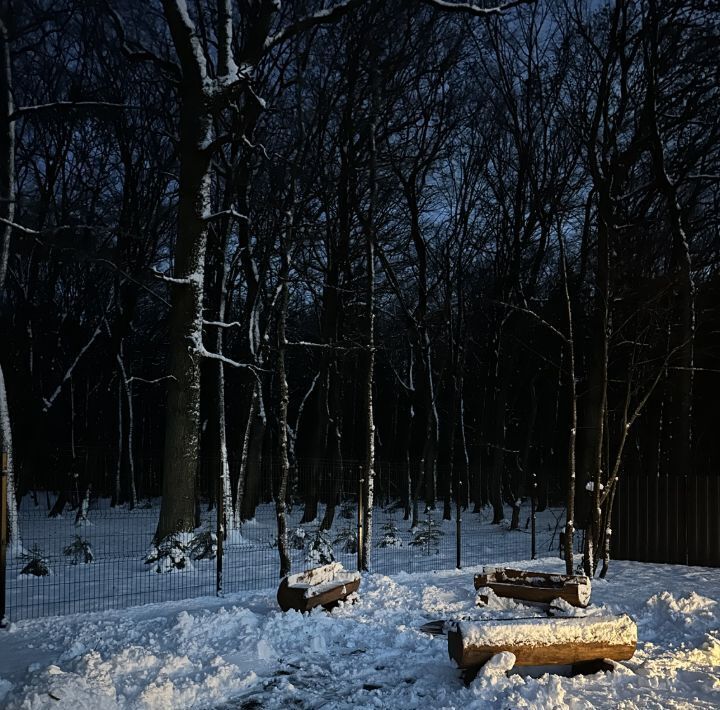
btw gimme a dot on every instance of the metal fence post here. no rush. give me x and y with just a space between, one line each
220 532
3 533
533 492
360 523
458 525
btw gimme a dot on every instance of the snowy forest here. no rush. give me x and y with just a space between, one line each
251 251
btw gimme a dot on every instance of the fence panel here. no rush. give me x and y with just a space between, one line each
80 562
92 556
671 519
713 521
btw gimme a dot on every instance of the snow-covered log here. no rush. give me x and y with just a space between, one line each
536 586
541 642
321 586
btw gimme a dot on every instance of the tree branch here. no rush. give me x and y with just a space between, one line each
227 213
47 403
141 54
222 324
322 17
532 313
20 227
63 105
185 281
471 9
150 382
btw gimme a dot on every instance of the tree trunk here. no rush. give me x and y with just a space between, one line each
7 154
593 532
369 485
182 424
127 390
498 459
334 471
6 445
572 434
253 475
280 500
7 210
117 498
522 473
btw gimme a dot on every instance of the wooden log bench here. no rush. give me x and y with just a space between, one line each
535 587
321 586
543 642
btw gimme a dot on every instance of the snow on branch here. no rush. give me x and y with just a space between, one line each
704 176
305 344
256 146
150 382
185 281
202 351
326 16
222 324
473 9
232 212
47 403
25 110
534 315
186 41
20 227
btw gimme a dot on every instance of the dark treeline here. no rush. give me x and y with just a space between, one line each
243 236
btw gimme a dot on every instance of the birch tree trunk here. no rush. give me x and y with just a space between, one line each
6 445
369 484
7 210
127 390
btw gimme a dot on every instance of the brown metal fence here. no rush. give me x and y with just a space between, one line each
671 519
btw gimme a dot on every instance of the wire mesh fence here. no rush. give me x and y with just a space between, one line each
79 553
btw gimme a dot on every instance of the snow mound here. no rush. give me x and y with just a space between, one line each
212 653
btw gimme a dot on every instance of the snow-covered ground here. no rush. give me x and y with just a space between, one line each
242 652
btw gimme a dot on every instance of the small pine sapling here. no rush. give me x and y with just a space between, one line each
297 539
171 554
347 510
36 565
391 536
347 540
427 536
79 552
204 546
319 551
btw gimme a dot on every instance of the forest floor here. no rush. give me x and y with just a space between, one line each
242 652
